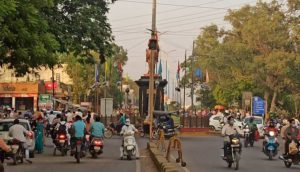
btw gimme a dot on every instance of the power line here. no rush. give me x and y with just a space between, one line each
167 11
174 18
175 5
169 19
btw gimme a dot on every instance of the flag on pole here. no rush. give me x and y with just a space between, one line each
107 68
97 72
159 72
206 76
178 72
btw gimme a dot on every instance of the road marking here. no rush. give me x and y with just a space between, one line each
184 168
138 165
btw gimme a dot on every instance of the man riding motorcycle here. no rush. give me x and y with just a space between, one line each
229 129
97 128
127 128
62 128
78 131
17 132
290 135
253 127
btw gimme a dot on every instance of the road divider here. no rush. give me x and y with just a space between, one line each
198 132
160 160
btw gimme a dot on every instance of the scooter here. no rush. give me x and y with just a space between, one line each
271 144
96 147
129 146
233 152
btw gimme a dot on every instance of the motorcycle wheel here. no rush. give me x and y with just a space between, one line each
129 156
77 156
14 157
270 155
246 143
54 152
287 164
94 155
108 134
237 161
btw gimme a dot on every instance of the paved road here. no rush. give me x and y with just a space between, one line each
203 155
108 161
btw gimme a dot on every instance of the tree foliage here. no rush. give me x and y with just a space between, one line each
260 53
33 32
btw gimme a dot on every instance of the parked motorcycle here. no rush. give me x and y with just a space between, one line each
129 146
96 147
271 144
61 144
233 152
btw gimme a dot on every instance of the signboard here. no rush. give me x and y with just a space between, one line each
106 106
44 98
258 106
49 86
13 88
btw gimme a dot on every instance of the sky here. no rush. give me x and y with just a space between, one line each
178 24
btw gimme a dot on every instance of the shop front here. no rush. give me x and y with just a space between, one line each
20 96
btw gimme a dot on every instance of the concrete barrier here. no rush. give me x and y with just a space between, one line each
160 160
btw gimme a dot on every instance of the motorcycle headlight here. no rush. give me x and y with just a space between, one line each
129 141
235 141
272 133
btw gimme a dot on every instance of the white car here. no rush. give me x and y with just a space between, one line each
259 121
5 124
215 122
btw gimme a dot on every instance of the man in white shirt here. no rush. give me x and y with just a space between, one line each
127 128
18 132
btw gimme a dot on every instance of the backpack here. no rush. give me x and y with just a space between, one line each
293 148
62 128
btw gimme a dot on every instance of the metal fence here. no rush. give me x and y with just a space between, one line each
186 122
194 122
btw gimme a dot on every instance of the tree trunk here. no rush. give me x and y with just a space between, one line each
266 98
273 103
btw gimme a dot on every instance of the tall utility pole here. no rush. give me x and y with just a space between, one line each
53 91
192 73
152 67
184 83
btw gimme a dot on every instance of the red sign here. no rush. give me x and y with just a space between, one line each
49 86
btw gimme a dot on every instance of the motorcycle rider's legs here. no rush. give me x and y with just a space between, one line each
225 147
137 153
25 147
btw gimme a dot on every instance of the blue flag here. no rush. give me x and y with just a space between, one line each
159 72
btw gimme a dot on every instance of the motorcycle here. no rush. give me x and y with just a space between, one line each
247 136
96 147
291 159
270 148
61 144
233 152
129 145
79 148
17 151
168 130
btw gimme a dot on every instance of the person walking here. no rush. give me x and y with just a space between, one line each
39 137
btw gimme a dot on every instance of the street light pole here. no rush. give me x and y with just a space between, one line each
151 70
192 73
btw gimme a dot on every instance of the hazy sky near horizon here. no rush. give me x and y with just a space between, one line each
179 23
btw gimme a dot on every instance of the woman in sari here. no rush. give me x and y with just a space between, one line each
39 137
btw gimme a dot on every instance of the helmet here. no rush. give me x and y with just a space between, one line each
127 122
285 122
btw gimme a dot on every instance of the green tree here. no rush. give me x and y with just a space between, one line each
81 26
25 42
